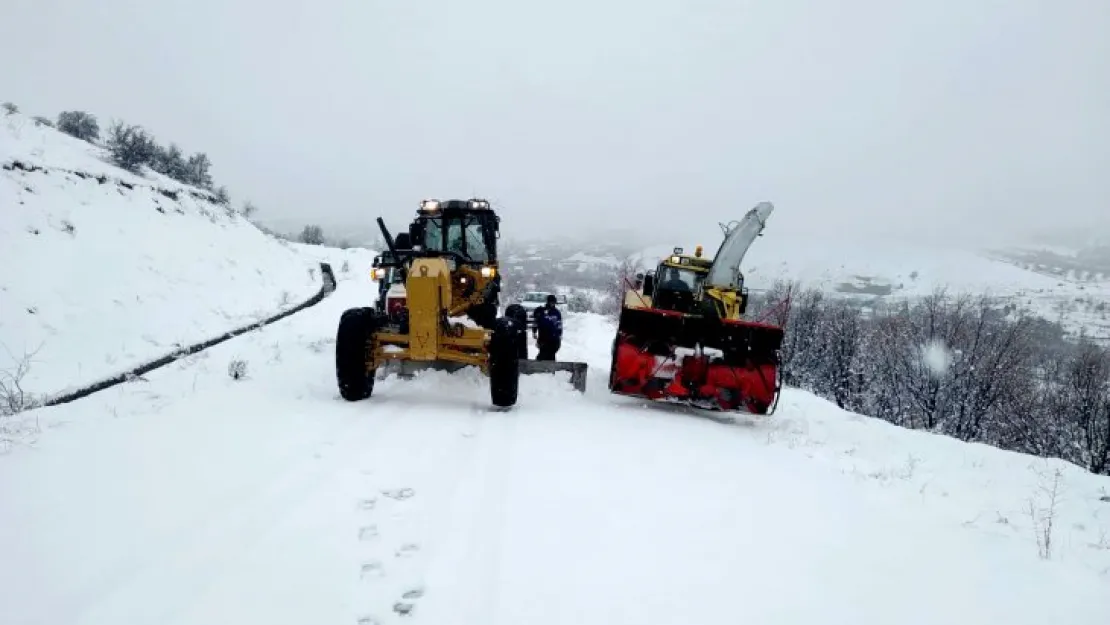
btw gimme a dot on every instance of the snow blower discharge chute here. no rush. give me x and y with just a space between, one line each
681 337
441 272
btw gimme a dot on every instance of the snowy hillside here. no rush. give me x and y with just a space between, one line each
582 262
421 506
105 269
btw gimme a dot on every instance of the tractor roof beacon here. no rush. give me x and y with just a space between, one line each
447 262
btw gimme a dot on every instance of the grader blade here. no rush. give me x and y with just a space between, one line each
577 370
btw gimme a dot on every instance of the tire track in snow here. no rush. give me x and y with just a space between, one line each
414 525
465 575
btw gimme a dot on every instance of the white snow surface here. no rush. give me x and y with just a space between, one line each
100 277
191 498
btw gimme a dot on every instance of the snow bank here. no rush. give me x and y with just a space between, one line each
352 263
105 269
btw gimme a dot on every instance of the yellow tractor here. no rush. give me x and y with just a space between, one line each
441 311
682 338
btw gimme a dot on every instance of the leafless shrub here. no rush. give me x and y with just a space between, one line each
237 369
1042 511
13 397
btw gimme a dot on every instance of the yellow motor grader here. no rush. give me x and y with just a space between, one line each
441 310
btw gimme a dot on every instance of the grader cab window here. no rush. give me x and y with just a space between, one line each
463 235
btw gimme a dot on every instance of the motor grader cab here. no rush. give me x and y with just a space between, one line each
681 336
447 274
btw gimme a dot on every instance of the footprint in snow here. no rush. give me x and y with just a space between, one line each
399 494
404 608
372 569
368 620
368 532
407 550
368 504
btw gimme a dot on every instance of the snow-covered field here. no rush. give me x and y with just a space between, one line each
101 274
189 497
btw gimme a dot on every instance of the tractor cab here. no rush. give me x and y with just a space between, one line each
676 284
387 273
678 281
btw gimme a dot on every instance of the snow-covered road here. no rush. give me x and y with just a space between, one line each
192 498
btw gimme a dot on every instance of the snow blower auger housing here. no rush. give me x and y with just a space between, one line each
681 337
443 271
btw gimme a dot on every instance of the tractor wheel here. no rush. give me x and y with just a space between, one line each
504 367
353 342
517 313
613 366
485 315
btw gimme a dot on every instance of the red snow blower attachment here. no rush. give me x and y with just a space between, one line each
681 338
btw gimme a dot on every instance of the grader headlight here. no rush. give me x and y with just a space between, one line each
378 273
488 272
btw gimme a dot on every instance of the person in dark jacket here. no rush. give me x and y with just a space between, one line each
549 330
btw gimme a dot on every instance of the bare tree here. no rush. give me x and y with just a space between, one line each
223 197
13 397
312 235
79 124
1083 403
131 146
170 161
197 171
623 279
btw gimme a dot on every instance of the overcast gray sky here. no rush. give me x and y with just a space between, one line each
866 116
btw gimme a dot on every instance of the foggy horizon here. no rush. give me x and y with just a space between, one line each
939 122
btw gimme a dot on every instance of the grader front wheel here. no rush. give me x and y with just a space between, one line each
353 342
504 365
